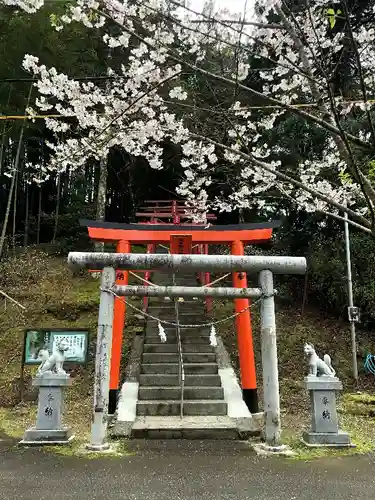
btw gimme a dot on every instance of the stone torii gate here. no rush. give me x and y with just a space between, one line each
264 265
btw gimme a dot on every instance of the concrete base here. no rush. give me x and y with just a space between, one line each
327 440
126 409
233 395
267 450
199 427
127 404
98 448
237 409
38 437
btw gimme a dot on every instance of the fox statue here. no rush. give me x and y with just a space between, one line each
53 363
318 367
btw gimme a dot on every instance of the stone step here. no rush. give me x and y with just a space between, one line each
169 315
153 328
183 310
174 427
183 337
187 281
173 348
160 357
163 305
200 368
191 308
169 282
153 339
187 306
197 319
174 393
194 335
152 380
172 407
188 357
188 313
172 368
160 348
202 330
194 319
184 333
190 305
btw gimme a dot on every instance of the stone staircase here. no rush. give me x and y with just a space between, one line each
157 410
159 386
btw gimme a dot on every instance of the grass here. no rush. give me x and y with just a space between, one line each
356 409
55 297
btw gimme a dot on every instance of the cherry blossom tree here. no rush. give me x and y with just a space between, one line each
148 100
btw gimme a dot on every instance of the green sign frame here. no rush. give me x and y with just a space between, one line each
47 338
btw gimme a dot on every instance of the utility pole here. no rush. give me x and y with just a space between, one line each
353 312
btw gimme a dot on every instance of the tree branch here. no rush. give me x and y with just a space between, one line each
341 139
330 214
294 67
354 224
223 21
287 178
310 118
359 64
229 22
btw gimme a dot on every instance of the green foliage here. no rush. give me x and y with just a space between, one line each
331 16
75 50
345 176
324 249
327 274
371 170
70 234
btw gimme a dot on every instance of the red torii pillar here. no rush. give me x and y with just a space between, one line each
124 234
245 338
119 314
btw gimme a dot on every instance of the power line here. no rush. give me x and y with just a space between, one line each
100 77
297 105
79 78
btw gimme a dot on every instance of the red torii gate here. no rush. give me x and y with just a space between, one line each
175 211
167 209
152 234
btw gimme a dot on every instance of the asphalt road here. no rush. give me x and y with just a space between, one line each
180 470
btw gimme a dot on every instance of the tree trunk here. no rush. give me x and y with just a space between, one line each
102 191
3 135
57 210
26 228
39 215
101 199
131 190
93 185
11 189
14 214
13 181
2 148
65 188
241 217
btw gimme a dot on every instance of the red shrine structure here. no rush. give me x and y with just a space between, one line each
161 225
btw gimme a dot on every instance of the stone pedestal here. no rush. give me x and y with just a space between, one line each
324 422
48 428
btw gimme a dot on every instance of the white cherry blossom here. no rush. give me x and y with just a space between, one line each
138 110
